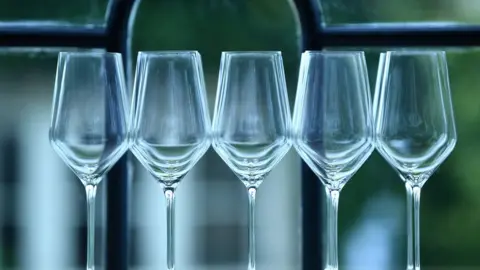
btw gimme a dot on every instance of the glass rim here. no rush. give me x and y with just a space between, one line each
168 52
333 53
89 53
253 53
414 52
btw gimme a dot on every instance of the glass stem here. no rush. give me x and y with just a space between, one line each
333 197
413 227
252 192
91 191
170 199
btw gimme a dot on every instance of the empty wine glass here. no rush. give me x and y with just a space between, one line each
414 125
89 127
170 122
332 125
251 121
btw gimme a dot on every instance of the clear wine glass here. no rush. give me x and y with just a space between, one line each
251 122
170 122
332 125
414 125
89 121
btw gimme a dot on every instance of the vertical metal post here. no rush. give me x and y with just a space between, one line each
119 24
312 190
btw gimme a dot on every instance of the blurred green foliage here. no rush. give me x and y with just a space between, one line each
399 11
85 11
214 26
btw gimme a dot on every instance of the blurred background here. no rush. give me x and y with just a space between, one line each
42 204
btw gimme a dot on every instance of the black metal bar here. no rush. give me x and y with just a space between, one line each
310 23
399 35
119 28
118 32
38 34
312 191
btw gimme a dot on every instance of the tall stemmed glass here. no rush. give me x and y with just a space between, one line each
170 121
332 125
251 121
89 127
414 125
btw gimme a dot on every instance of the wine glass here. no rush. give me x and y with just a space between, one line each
332 125
414 125
170 122
251 123
89 121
